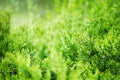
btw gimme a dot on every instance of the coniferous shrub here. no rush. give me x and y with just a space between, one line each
82 42
4 31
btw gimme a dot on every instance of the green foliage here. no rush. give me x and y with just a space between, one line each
4 31
82 42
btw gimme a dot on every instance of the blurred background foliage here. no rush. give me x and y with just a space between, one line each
59 39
